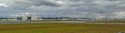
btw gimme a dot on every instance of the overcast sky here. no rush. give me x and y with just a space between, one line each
69 8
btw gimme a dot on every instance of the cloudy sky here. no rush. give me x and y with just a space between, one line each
68 8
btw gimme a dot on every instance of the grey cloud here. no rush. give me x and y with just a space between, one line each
45 3
75 8
113 0
37 3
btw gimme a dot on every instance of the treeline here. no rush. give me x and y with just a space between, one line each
6 18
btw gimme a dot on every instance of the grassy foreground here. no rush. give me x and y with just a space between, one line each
61 28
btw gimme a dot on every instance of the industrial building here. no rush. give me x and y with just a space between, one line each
27 18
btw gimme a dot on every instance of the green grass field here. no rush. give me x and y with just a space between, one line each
61 28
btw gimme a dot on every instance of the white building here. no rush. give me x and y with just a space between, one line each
27 18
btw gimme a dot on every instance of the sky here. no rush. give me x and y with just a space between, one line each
64 8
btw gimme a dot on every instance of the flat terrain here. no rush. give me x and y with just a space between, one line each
68 21
62 28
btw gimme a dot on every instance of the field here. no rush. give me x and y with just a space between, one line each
61 28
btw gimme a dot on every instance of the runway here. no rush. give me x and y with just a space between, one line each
73 22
